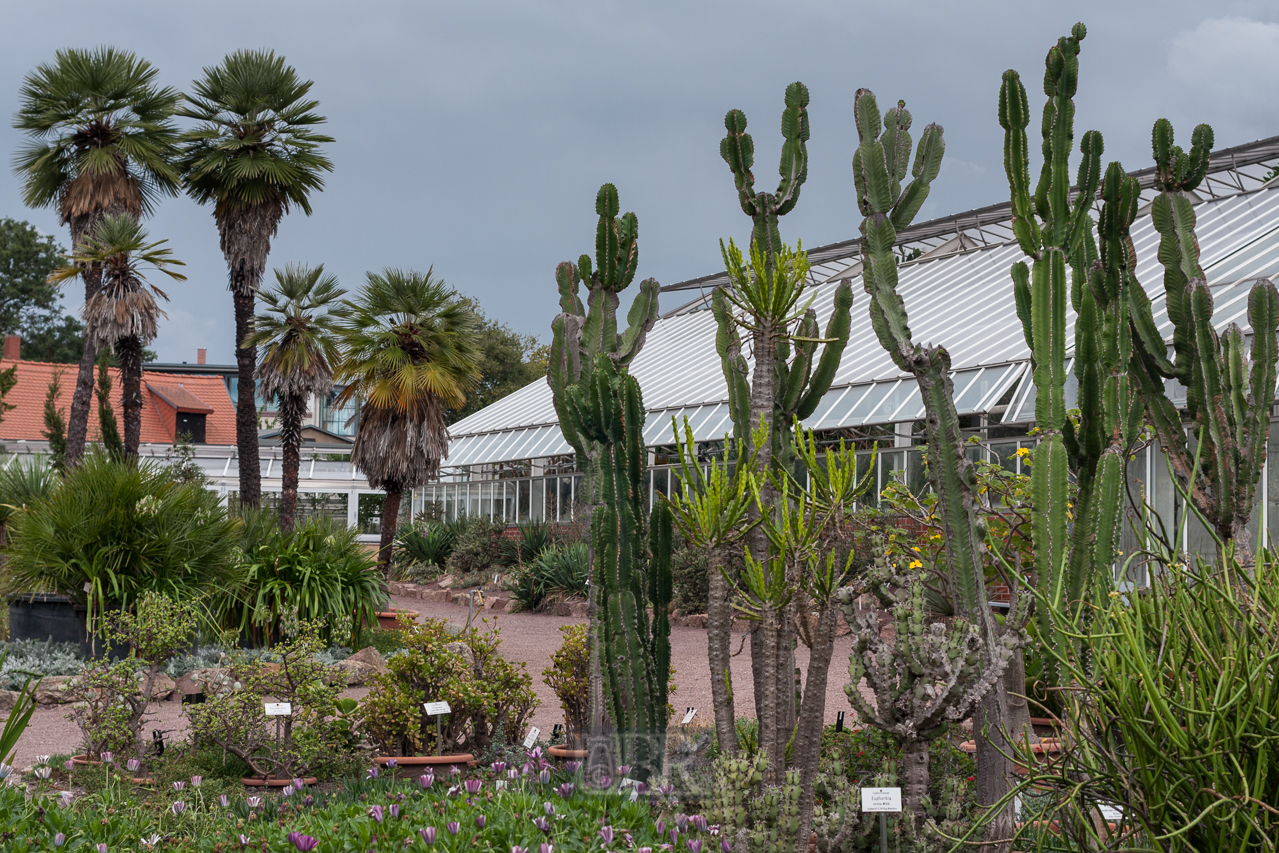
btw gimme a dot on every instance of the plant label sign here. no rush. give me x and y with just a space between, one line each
688 717
881 799
435 709
278 709
533 733
1111 813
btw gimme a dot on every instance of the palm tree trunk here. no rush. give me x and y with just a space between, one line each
291 408
130 351
246 409
390 516
81 399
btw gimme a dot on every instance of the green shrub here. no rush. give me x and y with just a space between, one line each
690 577
491 700
556 574
569 676
41 657
318 572
123 529
428 547
534 538
478 545
24 482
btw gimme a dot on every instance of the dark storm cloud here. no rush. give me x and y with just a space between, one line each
472 136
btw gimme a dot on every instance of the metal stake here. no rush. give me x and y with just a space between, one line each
883 833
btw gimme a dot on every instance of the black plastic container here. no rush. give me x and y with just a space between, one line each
48 616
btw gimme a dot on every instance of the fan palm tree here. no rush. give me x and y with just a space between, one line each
102 141
297 352
253 154
123 312
409 353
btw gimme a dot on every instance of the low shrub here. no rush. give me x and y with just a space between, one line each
318 572
556 574
478 545
122 529
569 677
425 551
38 658
534 538
491 698
690 578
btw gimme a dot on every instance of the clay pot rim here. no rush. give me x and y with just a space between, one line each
1045 745
83 759
394 613
272 782
566 752
458 758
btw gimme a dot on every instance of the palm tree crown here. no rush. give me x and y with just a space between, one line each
102 135
124 305
296 333
256 143
409 351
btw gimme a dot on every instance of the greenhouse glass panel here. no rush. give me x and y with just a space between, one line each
329 505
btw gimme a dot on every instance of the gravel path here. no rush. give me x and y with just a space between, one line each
527 638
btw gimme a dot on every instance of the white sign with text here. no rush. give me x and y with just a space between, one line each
881 799
688 718
278 709
533 734
434 709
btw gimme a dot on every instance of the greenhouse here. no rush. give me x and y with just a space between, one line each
509 461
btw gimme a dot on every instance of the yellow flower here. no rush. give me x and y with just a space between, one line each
915 564
915 548
1023 452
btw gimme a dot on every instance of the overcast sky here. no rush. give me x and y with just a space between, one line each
472 136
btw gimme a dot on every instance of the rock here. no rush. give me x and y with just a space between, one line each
577 609
162 688
437 595
370 657
453 629
53 690
355 673
395 587
498 604
201 681
842 628
8 699
563 608
697 620
446 581
463 651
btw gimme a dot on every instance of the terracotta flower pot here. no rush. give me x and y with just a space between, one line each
143 780
563 752
1044 752
85 761
389 619
461 759
258 782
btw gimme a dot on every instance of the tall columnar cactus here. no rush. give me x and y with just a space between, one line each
766 296
1229 389
632 565
584 331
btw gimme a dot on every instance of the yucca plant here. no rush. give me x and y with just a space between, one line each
429 546
21 483
556 574
111 531
317 572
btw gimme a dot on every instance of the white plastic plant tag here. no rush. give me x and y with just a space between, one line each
1111 812
88 586
278 709
688 718
881 799
434 709
533 734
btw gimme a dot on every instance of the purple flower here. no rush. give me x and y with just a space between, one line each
666 790
253 802
59 840
372 772
303 843
499 766
694 845
542 824
391 762
179 785
661 827
473 786
527 768
549 809
681 820
376 812
512 774
515 848
606 835
606 781
572 766
544 847
196 780
674 835
623 769
454 789
107 757
288 791
480 820
428 834
699 822
393 810
453 827
102 848
224 801
725 846
68 765
244 841
425 780
565 790
535 753
640 787
298 783
308 800
133 764
178 807
544 777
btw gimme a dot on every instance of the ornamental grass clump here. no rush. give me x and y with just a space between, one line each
119 530
490 698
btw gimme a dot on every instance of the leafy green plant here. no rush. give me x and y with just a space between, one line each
42 657
308 741
478 545
121 529
569 677
428 547
22 482
489 697
317 572
19 715
690 573
556 574
534 538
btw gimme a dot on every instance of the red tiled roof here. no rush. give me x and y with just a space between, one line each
163 395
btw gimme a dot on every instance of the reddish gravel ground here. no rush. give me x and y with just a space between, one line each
526 638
